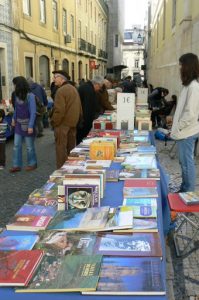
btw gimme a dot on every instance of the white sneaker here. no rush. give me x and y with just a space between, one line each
2 167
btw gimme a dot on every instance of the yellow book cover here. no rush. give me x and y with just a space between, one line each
102 150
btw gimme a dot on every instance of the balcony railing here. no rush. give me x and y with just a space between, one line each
87 47
102 54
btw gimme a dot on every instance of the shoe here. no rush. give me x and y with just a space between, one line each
30 168
2 167
15 169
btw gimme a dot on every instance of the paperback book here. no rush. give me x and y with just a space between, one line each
141 161
119 218
17 267
144 211
140 201
36 210
190 198
131 276
132 244
65 274
112 175
138 192
17 242
128 172
90 219
60 243
28 223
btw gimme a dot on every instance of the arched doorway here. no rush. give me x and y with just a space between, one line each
65 65
80 69
44 71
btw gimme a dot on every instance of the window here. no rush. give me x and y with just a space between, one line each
55 17
29 66
26 7
86 33
174 13
91 37
164 19
72 25
116 40
86 5
79 29
136 63
91 10
42 11
64 21
95 15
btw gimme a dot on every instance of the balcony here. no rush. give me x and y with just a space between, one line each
102 54
82 45
87 47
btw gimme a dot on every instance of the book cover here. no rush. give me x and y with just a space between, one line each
60 243
141 161
17 242
144 211
42 202
190 198
131 173
28 222
17 267
112 175
132 244
66 274
138 192
81 196
102 150
142 225
98 163
140 201
90 219
145 183
119 218
131 276
36 210
44 193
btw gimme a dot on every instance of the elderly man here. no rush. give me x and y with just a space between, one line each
66 115
90 105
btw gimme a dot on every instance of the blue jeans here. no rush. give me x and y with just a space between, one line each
186 160
17 151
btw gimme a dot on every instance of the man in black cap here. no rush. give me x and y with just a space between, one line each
66 113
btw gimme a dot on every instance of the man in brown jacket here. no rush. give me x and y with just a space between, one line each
66 114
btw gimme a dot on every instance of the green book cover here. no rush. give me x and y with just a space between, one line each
60 243
66 274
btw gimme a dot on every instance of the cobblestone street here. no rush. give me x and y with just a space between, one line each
182 274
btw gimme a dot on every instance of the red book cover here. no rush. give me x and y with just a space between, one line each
18 267
28 222
176 204
145 183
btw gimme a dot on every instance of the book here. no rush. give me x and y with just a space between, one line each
137 192
129 244
190 198
140 201
102 150
131 173
36 210
81 195
42 201
112 175
119 218
65 274
98 163
17 242
60 243
90 219
141 161
131 276
17 267
28 222
145 183
142 225
144 211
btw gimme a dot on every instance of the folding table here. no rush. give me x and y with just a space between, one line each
187 218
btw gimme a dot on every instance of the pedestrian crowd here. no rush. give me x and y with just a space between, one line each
73 107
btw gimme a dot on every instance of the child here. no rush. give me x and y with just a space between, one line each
3 127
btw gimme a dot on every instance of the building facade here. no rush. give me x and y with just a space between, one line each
115 38
133 49
58 34
6 49
173 31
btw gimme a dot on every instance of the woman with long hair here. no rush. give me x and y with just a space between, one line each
23 121
185 128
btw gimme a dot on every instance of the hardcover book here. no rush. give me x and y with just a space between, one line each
17 267
190 198
140 201
60 243
36 210
28 222
131 276
81 196
90 219
17 242
65 274
131 173
132 244
138 192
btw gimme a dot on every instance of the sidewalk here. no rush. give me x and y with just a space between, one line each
182 274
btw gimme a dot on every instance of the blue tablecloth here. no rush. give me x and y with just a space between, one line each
113 197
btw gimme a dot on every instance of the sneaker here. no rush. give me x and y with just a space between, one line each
2 167
30 168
